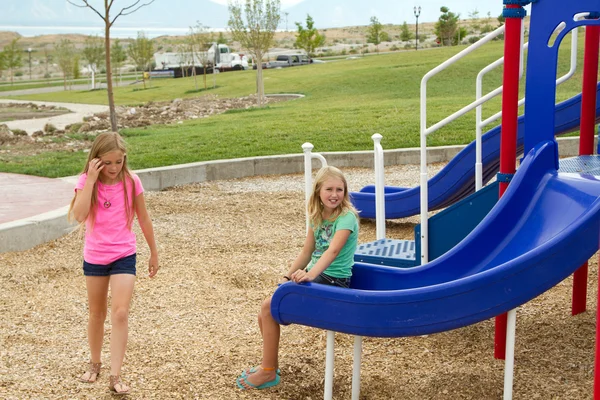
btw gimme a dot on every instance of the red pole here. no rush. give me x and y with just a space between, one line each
508 139
586 142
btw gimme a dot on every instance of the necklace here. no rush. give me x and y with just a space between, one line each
107 202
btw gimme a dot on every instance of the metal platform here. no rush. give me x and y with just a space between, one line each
581 165
392 252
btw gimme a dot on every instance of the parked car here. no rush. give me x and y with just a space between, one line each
287 60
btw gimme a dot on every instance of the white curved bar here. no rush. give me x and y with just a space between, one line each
308 156
379 187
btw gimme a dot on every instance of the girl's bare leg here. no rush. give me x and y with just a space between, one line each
270 332
121 288
97 291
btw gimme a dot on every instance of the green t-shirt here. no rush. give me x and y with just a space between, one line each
341 267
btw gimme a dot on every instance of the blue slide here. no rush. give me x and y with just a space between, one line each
457 179
522 248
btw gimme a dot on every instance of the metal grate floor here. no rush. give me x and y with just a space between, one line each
581 165
387 251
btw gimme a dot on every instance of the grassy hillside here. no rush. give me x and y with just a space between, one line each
346 102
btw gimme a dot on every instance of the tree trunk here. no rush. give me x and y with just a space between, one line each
109 86
260 89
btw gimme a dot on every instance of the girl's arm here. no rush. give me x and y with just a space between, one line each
337 244
83 198
148 230
303 258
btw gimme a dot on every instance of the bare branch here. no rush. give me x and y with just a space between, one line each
87 5
127 10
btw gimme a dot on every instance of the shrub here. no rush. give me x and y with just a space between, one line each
49 128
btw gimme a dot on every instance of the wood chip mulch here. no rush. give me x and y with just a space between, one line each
193 328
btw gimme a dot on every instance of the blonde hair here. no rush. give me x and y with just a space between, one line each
104 144
315 207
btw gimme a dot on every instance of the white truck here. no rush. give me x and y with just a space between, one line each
220 55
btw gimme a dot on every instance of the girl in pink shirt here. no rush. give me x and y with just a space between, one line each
107 198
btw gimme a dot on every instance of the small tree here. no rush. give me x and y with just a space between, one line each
141 52
221 39
47 60
118 57
65 53
108 23
200 41
256 34
374 32
474 17
308 38
445 28
405 33
93 52
12 57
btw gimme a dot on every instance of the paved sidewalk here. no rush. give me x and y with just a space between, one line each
79 111
25 196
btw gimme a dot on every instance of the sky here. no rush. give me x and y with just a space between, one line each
37 17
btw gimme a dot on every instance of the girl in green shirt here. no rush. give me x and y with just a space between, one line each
327 257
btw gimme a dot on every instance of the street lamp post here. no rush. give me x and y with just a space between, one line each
29 51
417 11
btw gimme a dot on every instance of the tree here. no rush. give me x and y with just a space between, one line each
93 52
374 33
118 57
309 38
405 33
474 17
2 65
445 28
200 40
141 52
256 33
65 53
12 58
221 39
108 23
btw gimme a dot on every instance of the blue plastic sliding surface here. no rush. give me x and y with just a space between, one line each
522 248
457 179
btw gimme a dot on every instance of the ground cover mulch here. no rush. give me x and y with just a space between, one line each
193 328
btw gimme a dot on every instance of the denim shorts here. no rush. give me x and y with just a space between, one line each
125 265
330 280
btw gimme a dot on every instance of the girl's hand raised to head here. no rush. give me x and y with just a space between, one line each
301 276
94 168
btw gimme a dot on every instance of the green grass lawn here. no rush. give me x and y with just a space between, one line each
346 102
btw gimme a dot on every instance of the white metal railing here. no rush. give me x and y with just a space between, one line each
425 131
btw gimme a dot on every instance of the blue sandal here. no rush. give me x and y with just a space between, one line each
247 385
254 369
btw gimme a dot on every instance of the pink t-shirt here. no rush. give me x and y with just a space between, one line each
110 239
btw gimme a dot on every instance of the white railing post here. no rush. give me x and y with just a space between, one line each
509 366
379 187
329 366
308 157
356 367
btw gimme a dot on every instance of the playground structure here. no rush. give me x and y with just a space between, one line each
522 247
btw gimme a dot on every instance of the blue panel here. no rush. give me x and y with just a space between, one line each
522 248
450 226
457 179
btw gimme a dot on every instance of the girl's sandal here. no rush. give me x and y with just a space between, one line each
93 372
115 380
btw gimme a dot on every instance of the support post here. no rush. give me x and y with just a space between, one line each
356 367
508 140
329 366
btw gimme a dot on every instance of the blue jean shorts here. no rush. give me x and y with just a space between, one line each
330 280
125 265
